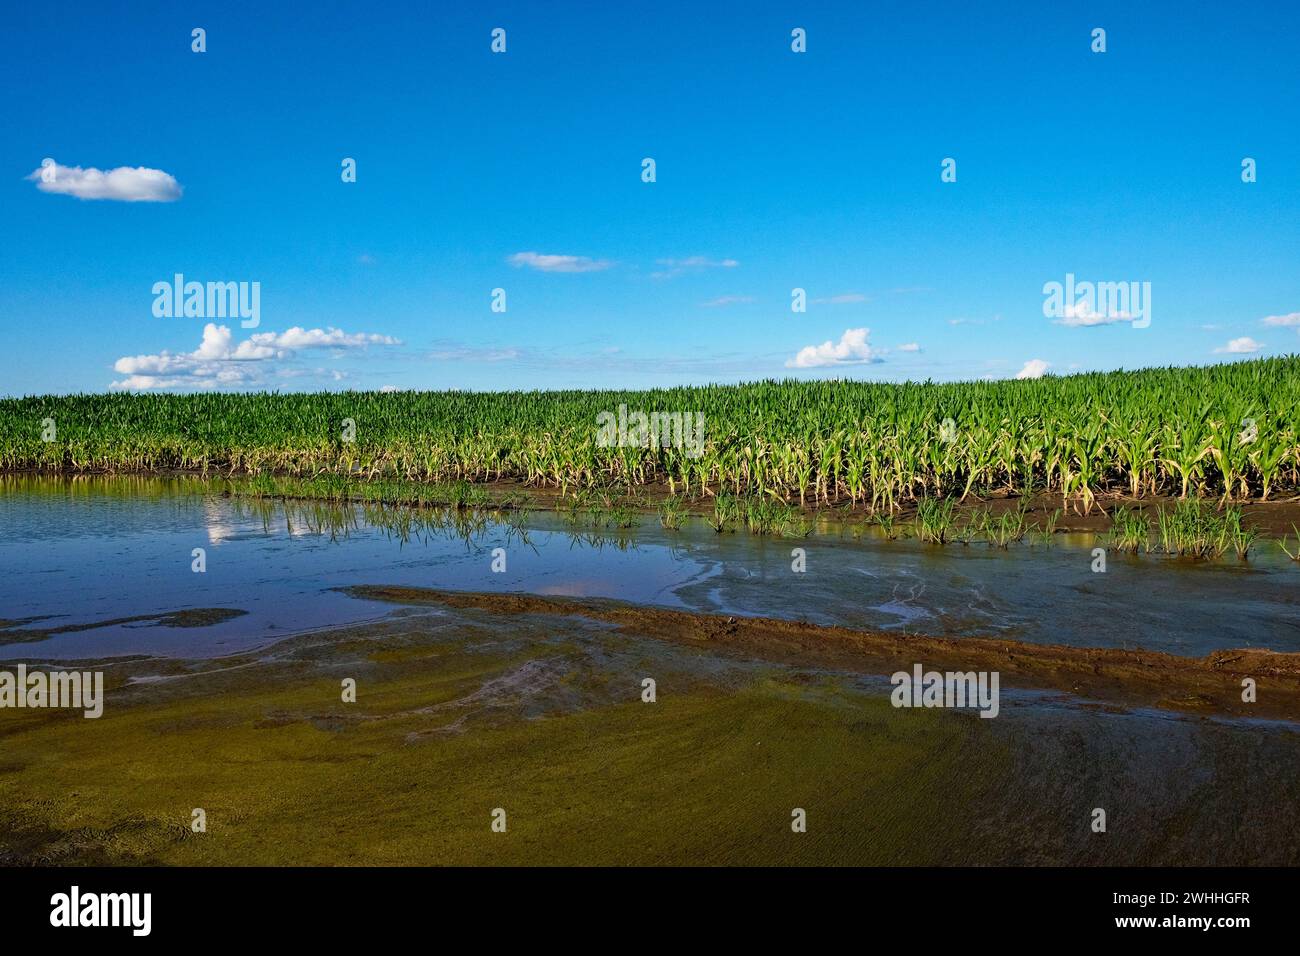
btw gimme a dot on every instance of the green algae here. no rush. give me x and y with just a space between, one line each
410 774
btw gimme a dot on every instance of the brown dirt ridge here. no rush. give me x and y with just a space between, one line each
1210 685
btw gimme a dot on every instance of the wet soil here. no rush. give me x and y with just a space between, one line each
20 631
463 711
1131 678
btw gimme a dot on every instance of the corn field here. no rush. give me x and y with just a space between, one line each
1226 431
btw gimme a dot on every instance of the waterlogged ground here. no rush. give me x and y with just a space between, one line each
461 713
119 553
464 709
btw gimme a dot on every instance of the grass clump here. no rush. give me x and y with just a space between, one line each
1293 555
1009 528
1194 529
884 520
1130 530
672 513
935 521
756 514
1045 530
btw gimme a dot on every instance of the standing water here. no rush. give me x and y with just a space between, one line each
101 567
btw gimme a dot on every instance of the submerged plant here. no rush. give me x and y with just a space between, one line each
772 516
1046 530
672 512
1186 529
574 504
884 520
1293 555
971 528
1235 535
1129 530
756 514
1009 527
1194 529
726 512
934 520
608 510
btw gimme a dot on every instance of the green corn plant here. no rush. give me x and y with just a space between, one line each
1151 432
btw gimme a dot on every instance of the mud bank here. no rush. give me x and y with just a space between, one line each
1207 685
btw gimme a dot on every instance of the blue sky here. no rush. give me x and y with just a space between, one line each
775 170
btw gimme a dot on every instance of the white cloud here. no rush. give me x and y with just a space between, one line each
1034 368
1291 318
554 263
300 338
852 349
219 362
1242 346
725 300
676 267
909 347
1083 316
124 184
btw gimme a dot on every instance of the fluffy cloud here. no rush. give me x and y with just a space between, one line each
300 338
909 347
1083 316
554 263
1242 346
124 184
1291 318
852 349
220 362
1034 368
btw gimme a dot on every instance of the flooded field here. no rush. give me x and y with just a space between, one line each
88 551
528 695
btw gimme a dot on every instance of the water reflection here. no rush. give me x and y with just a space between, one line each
78 551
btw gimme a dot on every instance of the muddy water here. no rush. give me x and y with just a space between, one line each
76 554
462 711
544 714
